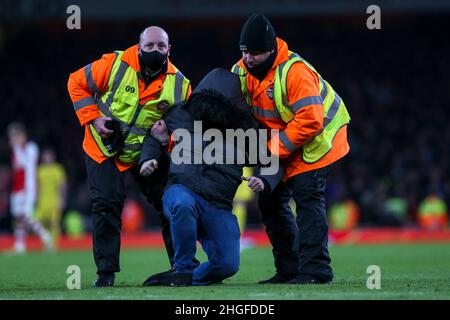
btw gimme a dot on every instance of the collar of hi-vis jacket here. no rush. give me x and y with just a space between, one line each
282 56
130 57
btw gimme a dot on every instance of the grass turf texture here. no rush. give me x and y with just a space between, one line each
419 271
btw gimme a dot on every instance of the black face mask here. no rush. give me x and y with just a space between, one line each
153 60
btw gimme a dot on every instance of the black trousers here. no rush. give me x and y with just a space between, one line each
107 191
281 228
308 190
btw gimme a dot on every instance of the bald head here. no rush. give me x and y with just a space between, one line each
154 38
153 49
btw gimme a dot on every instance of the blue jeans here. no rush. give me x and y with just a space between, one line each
192 218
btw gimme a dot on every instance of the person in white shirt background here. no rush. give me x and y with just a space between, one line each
25 156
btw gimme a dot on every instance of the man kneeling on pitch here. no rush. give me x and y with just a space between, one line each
198 198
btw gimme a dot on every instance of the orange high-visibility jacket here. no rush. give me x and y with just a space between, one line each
79 89
307 121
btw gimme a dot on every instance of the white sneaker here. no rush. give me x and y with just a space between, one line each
48 243
20 248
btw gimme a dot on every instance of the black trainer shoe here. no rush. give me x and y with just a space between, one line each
169 278
181 280
307 279
154 280
104 280
277 278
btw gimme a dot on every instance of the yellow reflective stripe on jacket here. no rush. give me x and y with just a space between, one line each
236 69
334 110
121 102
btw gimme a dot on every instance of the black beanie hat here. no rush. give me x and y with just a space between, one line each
257 34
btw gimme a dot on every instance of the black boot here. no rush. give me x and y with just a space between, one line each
154 280
181 280
169 278
277 278
307 279
104 279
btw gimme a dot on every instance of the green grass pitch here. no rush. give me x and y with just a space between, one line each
415 271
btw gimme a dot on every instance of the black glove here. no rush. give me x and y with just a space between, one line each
114 143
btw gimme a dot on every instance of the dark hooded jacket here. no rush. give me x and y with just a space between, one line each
218 102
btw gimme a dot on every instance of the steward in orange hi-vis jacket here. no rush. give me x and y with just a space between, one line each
117 99
288 94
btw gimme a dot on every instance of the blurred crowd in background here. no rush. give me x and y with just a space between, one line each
394 82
